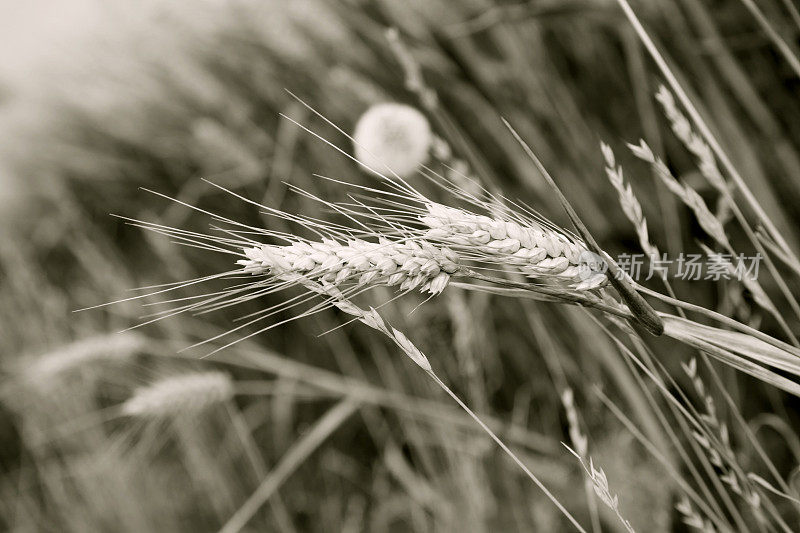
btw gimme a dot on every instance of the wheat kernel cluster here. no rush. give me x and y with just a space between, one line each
409 265
533 250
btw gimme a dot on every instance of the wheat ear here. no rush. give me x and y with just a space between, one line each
84 352
407 264
536 251
185 394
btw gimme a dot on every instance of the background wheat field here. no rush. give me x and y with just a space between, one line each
322 424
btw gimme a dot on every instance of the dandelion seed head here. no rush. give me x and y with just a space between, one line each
392 135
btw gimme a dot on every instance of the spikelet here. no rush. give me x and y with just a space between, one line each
187 394
535 250
392 135
407 265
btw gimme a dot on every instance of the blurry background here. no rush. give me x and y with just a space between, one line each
98 99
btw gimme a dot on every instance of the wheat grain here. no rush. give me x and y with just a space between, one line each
185 394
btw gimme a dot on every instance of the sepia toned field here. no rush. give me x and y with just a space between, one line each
434 265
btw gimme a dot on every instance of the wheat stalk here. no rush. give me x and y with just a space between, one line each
581 444
186 394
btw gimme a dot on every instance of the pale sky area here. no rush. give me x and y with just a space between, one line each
32 30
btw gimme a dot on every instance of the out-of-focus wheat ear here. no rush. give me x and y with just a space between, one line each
727 164
644 314
429 100
458 170
180 395
394 136
708 167
412 71
713 437
83 353
714 513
